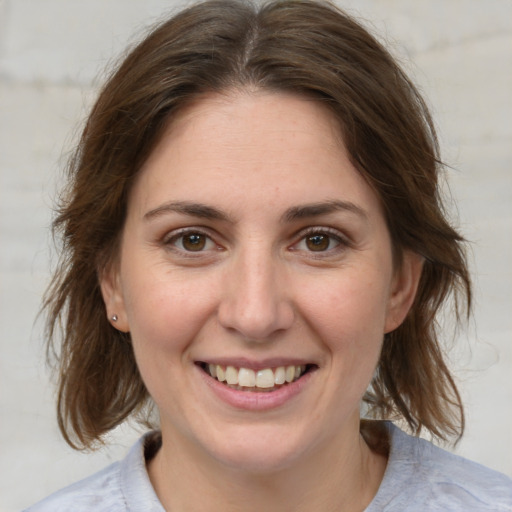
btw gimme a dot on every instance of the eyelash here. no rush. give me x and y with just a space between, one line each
172 239
333 235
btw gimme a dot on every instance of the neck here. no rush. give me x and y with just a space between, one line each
342 476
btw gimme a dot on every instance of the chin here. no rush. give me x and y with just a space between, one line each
258 452
258 461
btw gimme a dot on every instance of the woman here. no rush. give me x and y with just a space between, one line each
254 243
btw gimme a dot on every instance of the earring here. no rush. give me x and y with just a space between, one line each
114 318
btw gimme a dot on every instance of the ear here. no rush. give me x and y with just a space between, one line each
111 290
403 289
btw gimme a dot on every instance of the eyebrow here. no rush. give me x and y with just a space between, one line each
187 208
292 214
322 208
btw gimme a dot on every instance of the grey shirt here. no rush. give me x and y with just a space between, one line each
419 477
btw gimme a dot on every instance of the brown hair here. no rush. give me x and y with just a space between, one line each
298 46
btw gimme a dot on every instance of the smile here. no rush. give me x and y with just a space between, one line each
247 379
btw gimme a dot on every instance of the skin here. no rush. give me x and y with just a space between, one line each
258 291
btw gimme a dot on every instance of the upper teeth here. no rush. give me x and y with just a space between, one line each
265 378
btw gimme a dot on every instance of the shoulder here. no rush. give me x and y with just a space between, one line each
421 476
101 491
120 487
455 480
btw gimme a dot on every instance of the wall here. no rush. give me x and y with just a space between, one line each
51 52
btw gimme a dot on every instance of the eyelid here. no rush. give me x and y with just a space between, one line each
343 240
176 233
170 237
311 230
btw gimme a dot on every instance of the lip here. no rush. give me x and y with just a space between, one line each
256 365
255 400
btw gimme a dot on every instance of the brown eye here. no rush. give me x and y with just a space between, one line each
194 242
318 242
190 241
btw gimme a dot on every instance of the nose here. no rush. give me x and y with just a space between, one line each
256 302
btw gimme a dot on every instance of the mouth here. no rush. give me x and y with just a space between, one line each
262 380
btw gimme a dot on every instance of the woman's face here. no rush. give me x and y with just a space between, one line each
253 251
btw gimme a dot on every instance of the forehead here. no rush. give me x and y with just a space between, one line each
245 120
269 147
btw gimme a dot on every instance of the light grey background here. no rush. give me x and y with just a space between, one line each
51 51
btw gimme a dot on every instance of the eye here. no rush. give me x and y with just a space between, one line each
191 241
319 240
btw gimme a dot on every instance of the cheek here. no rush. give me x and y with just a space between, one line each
349 321
166 314
165 311
349 311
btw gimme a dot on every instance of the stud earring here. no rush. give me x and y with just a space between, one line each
114 318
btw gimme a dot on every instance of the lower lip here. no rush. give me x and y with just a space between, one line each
256 400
